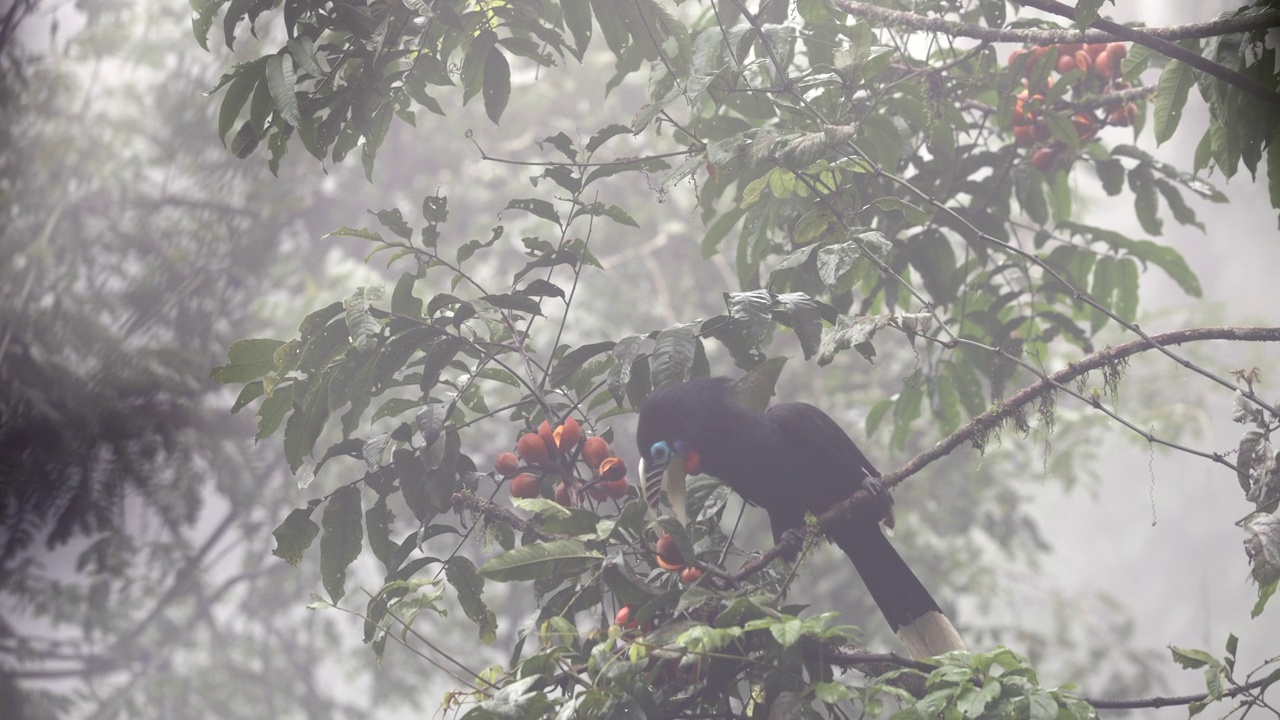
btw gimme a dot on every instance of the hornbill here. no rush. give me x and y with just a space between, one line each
790 460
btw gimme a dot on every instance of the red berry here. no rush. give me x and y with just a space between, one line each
669 551
525 485
594 451
548 438
690 575
532 449
1044 159
616 489
613 468
506 464
562 494
567 435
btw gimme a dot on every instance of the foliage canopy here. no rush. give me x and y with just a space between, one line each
867 170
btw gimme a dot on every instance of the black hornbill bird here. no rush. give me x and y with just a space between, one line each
790 460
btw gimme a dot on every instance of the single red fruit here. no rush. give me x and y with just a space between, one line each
1023 135
526 485
598 491
532 450
1084 60
1066 63
548 438
507 464
1118 51
567 435
690 575
1086 125
623 617
1044 158
613 468
668 550
562 494
1104 65
616 489
594 451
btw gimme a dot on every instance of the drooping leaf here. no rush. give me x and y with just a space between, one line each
462 575
1171 97
497 84
558 558
294 535
281 81
247 360
343 535
673 353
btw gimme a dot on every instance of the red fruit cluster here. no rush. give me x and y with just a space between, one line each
558 449
1099 66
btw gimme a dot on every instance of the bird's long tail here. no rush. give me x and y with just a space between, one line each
911 611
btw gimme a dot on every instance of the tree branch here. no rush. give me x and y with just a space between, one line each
998 414
1191 31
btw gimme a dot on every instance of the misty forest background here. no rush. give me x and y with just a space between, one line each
135 249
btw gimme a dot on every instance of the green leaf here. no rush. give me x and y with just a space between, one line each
1043 707
281 81
1126 299
245 79
876 415
1264 594
518 303
1111 173
1086 13
787 632
850 332
831 692
800 312
378 519
497 84
250 392
461 574
1173 198
752 310
672 355
1171 261
624 355
294 535
535 206
247 360
1273 168
1142 183
393 220
342 539
1171 97
1105 276
1191 658
558 558
574 359
577 17
913 214
756 388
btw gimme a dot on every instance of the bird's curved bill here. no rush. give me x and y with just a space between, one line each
669 476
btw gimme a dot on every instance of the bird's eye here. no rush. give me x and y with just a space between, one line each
660 452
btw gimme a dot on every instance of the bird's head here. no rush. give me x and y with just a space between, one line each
667 436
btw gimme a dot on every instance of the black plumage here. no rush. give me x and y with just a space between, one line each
791 460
